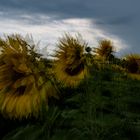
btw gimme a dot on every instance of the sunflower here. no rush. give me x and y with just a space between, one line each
105 50
70 64
24 84
133 63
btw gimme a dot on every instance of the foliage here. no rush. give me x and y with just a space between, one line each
104 110
103 106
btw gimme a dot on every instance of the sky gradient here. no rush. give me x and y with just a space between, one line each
47 20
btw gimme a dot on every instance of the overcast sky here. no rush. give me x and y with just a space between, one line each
47 20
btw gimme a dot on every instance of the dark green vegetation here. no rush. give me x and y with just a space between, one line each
105 106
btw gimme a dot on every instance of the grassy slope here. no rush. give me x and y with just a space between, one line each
104 107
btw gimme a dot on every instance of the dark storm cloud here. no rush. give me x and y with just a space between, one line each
118 20
120 17
78 8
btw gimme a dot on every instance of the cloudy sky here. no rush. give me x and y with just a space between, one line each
47 20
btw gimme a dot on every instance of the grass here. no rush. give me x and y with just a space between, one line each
101 108
104 106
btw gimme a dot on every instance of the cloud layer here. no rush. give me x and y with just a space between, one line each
94 19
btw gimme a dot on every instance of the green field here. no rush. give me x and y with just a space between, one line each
100 108
77 96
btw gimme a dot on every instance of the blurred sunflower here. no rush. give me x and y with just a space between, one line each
70 64
132 63
105 49
24 84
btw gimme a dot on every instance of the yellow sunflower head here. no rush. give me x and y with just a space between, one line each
70 65
24 83
133 63
105 49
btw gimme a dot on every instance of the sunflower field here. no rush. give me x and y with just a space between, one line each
79 93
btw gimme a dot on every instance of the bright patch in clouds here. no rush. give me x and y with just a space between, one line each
47 30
